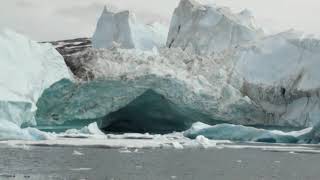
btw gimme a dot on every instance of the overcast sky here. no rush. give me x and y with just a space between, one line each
62 19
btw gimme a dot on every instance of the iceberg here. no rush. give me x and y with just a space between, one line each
206 29
218 69
28 68
124 30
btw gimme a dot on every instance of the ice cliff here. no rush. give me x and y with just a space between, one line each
207 29
124 30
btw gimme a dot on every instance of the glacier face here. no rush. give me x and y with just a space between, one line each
124 30
207 29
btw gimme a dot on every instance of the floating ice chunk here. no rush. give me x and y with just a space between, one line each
125 151
205 142
92 130
177 145
80 169
77 153
11 131
240 133
173 177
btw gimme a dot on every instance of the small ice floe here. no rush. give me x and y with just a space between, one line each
124 150
277 162
246 134
177 145
20 146
77 153
204 142
90 131
239 161
80 169
137 151
173 177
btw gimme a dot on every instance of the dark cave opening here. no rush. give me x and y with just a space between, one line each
150 113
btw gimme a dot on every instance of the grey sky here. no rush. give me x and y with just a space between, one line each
61 19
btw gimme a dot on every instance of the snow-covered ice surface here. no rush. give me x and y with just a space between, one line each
123 29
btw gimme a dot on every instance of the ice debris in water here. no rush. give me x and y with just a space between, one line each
77 153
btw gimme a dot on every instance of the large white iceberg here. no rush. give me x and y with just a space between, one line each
124 30
207 29
231 74
27 69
